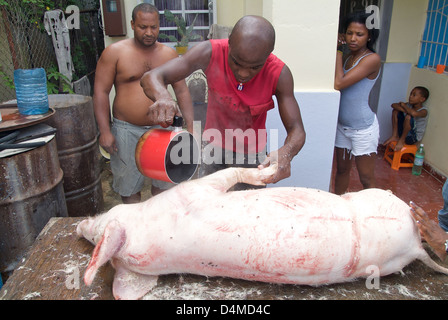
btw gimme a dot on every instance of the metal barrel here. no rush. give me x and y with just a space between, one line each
78 150
31 193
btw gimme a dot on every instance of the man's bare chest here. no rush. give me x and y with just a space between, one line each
131 69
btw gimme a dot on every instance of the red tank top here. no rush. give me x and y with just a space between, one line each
238 117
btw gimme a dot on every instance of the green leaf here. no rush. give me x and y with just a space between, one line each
169 37
190 28
169 15
52 88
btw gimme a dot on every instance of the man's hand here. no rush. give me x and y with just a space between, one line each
434 235
107 141
162 112
281 162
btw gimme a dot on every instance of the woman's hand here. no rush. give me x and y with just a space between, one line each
341 40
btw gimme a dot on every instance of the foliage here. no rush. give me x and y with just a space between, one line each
186 34
56 81
32 12
8 81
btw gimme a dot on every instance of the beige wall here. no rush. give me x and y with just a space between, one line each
407 26
437 129
307 40
229 11
307 47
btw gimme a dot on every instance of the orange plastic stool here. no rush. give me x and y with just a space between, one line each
402 158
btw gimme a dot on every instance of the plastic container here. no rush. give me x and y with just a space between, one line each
418 161
421 62
31 91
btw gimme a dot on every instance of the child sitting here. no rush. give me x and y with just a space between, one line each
409 119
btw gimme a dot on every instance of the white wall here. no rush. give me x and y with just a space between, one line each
393 88
306 41
311 168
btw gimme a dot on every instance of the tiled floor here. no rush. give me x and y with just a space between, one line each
425 190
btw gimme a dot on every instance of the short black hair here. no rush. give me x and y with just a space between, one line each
424 92
144 7
361 17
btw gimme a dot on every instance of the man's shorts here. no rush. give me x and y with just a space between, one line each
127 179
360 142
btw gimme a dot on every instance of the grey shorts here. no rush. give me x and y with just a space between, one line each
127 179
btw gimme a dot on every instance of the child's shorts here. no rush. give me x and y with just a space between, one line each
359 141
411 138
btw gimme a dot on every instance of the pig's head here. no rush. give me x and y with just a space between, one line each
108 241
86 229
93 228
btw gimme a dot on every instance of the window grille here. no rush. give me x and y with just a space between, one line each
205 9
434 44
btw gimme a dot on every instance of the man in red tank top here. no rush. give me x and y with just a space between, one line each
237 103
242 75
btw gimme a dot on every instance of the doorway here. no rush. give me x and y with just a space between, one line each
385 13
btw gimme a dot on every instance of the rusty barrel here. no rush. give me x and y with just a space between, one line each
31 193
78 150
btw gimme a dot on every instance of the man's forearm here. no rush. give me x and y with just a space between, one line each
102 113
185 103
154 87
294 142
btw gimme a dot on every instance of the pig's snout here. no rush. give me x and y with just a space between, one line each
84 229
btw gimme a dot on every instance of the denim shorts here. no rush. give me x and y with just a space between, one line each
359 142
411 137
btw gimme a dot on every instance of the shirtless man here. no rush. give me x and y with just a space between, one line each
122 64
242 75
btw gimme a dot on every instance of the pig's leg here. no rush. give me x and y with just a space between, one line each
111 242
223 180
129 285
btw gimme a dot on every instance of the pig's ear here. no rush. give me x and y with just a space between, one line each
129 285
112 240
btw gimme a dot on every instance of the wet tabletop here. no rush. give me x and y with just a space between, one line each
55 265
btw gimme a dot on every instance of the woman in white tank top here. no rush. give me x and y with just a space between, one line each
358 130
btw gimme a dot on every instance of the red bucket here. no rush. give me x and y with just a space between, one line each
166 155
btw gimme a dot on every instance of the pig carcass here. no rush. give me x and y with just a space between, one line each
277 235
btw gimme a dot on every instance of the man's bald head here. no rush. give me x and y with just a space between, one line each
253 34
